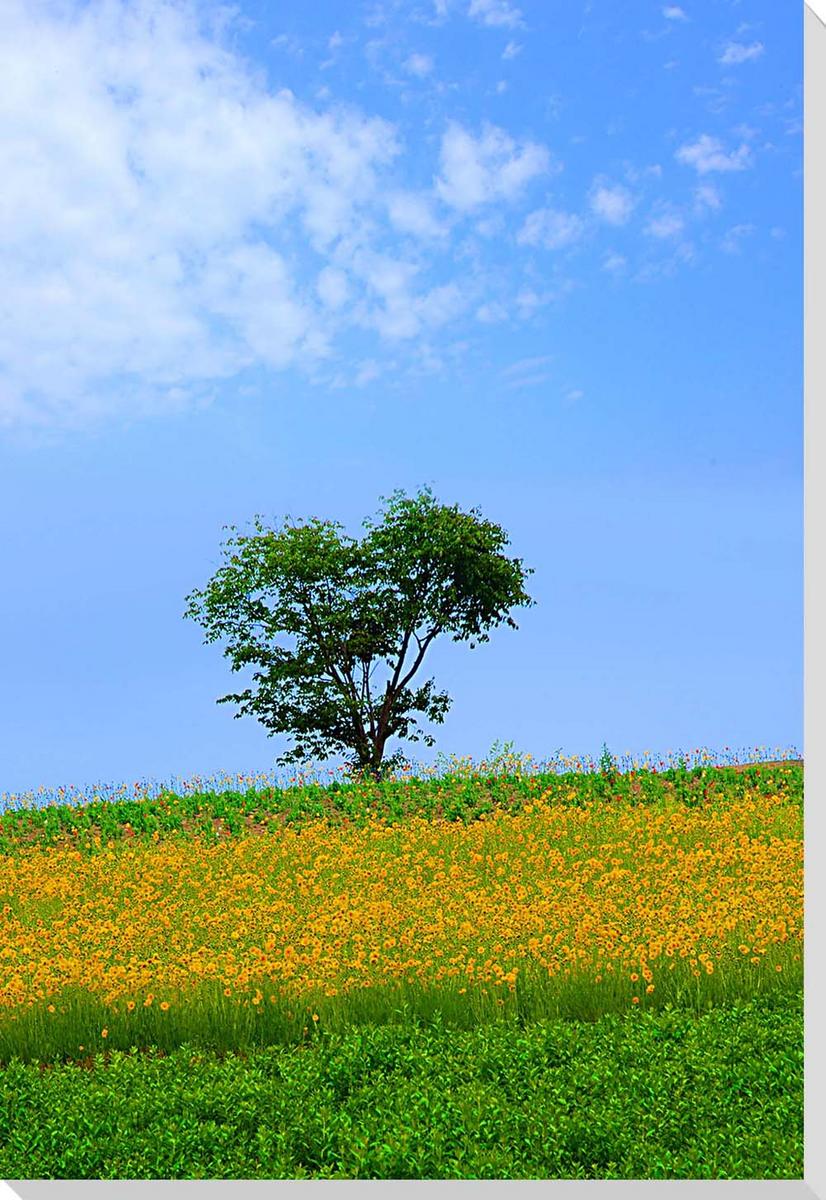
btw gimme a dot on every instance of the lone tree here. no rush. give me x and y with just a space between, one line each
356 618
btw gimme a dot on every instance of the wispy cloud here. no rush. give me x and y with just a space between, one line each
707 198
412 212
734 237
419 65
667 225
707 154
368 370
528 381
197 223
491 313
673 12
288 43
525 366
551 229
614 263
476 171
613 204
737 52
332 287
527 372
497 13
511 50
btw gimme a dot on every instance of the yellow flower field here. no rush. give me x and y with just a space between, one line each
604 893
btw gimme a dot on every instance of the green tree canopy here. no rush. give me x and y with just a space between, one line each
354 619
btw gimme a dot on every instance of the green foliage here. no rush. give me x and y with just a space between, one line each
463 795
356 614
72 1023
665 1095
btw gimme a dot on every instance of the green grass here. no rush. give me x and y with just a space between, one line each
206 1018
462 796
668 1095
704 1079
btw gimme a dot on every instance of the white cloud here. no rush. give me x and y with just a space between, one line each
332 287
706 154
250 287
167 220
731 243
511 50
367 372
613 262
287 42
137 154
551 229
490 227
497 13
334 44
737 52
611 204
665 226
707 198
526 366
526 381
476 171
411 212
419 65
491 313
673 12
398 312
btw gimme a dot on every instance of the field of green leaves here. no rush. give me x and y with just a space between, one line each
493 972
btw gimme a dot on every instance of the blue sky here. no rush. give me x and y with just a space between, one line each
283 259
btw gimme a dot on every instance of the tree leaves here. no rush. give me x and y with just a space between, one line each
355 620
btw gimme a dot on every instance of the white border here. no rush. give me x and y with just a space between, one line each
814 1182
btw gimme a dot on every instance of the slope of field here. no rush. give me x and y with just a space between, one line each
645 1096
245 942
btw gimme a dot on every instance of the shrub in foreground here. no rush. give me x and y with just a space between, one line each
649 1095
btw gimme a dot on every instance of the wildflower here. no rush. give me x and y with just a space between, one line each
104 1033
164 1005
